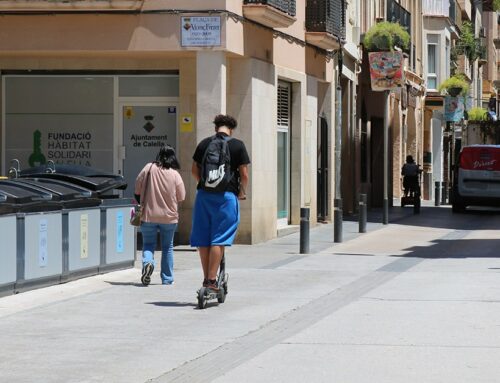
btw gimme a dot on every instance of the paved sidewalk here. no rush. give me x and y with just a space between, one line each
405 302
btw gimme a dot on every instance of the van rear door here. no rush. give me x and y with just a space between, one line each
479 172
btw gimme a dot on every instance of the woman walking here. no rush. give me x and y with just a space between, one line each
159 189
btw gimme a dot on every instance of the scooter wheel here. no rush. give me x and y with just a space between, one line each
202 298
221 296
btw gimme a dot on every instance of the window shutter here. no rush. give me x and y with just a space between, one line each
283 105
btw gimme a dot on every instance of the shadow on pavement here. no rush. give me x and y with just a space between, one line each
172 304
126 284
456 248
437 217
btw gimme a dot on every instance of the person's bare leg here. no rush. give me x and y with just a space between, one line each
214 261
204 257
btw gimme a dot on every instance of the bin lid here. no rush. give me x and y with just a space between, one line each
25 198
17 192
60 190
89 178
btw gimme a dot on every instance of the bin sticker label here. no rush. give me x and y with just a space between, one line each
42 243
84 236
119 232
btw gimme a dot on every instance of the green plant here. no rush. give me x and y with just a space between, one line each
385 36
496 5
456 81
468 44
477 114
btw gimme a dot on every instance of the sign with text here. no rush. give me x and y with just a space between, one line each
64 119
200 31
144 133
386 70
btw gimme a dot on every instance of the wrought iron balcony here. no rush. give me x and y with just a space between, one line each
397 14
325 23
272 13
69 5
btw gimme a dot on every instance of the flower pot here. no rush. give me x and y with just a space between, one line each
454 91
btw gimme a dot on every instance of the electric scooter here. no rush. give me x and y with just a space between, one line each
205 294
413 197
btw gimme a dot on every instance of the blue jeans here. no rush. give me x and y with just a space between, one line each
167 231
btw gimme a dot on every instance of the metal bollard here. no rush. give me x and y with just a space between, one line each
385 213
337 222
304 230
362 213
444 193
437 193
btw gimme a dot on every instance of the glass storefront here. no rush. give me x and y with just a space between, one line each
108 122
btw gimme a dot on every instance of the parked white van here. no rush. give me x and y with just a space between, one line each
477 177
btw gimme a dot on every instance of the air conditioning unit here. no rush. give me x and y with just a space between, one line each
482 32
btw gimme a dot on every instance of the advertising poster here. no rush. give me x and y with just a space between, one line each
119 232
84 236
200 31
453 108
42 243
386 70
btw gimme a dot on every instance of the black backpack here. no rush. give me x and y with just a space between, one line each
216 165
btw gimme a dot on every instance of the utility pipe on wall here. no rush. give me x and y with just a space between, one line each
337 209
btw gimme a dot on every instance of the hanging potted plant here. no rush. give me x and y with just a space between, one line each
480 128
454 86
385 42
385 36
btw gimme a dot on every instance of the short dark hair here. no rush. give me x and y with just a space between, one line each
409 158
166 158
225 120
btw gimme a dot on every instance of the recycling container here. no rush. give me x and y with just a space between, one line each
82 228
8 255
62 222
118 236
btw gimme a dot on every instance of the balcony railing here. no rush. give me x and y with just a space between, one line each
397 14
285 6
272 13
326 16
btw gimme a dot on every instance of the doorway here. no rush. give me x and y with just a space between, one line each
322 186
283 153
146 127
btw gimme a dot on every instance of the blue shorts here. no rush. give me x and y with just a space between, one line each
215 219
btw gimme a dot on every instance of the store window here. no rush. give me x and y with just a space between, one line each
64 119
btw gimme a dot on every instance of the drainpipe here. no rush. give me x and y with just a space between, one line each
385 217
337 209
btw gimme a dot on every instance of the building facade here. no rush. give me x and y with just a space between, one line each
106 83
405 110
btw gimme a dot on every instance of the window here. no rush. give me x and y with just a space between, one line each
432 61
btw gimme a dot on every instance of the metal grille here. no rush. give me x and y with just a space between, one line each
397 14
285 6
326 16
283 105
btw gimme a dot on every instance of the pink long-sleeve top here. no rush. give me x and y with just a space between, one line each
164 191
